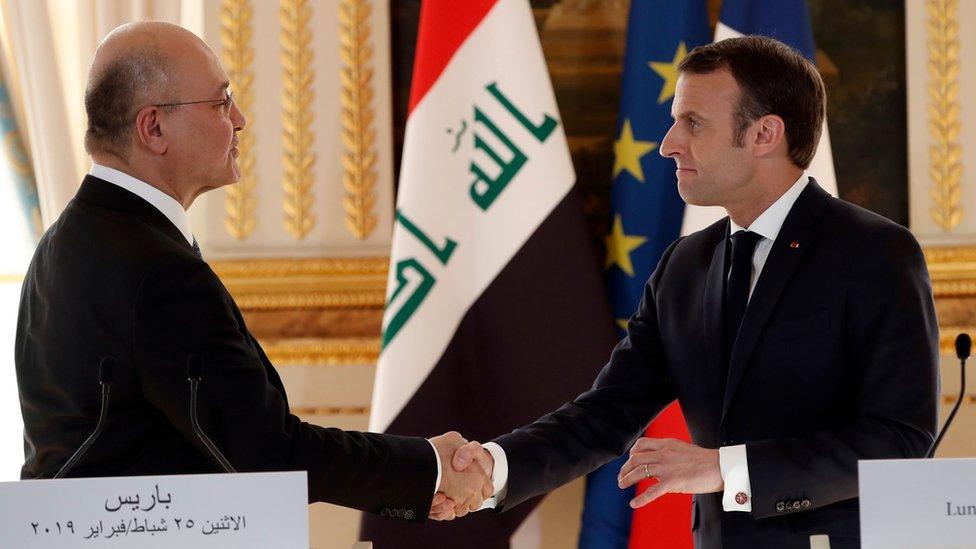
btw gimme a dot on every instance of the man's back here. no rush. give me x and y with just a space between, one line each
77 306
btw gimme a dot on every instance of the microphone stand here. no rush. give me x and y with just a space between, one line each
106 375
963 348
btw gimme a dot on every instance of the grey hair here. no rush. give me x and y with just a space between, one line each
117 93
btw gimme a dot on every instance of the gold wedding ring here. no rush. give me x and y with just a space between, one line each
646 473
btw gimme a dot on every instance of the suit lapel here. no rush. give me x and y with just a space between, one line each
712 309
780 265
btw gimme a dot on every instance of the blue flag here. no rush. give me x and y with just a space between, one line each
646 210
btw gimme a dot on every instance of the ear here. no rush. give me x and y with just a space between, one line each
770 134
149 130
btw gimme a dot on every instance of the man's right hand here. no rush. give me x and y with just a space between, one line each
462 490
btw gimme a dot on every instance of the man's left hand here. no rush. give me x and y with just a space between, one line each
677 466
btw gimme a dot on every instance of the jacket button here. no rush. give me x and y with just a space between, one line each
805 504
780 506
408 515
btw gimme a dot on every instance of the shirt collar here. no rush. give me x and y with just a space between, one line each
768 224
163 202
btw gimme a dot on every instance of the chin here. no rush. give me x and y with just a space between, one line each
693 196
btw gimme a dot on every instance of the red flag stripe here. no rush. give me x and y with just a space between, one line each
665 522
444 26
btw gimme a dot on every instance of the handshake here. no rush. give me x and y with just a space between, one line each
674 466
466 470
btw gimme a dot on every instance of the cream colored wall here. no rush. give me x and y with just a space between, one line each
941 72
325 116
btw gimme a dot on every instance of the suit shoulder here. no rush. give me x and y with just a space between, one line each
861 225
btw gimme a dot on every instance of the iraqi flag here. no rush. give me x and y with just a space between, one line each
789 22
495 308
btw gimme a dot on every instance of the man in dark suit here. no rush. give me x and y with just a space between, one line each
119 274
798 334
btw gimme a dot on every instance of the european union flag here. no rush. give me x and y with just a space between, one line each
646 210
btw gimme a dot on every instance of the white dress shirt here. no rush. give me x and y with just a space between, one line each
173 210
733 461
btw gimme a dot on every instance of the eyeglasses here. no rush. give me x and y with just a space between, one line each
224 103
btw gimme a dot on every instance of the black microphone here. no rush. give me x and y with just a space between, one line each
106 375
194 372
964 346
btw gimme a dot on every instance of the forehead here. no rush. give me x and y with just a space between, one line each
713 93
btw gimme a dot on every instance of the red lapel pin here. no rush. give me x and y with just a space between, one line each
794 244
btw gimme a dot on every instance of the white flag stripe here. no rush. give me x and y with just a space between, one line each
435 192
821 168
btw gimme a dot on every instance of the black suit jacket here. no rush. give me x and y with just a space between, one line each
836 361
114 277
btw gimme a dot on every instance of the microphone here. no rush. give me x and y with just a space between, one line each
964 346
194 372
106 375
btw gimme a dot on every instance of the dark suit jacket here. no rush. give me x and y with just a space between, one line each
836 361
114 277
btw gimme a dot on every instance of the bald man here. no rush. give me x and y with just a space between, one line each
120 274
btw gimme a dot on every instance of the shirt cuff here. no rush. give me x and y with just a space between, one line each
437 484
734 464
499 476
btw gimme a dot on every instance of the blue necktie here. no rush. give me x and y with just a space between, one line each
737 286
196 248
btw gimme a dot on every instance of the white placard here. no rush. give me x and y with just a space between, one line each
918 503
243 511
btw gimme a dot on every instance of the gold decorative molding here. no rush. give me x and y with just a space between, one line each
235 39
331 411
358 135
952 269
296 117
950 400
322 352
305 284
945 166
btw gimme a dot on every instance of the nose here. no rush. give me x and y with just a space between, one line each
237 117
668 146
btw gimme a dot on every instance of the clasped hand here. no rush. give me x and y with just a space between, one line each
465 477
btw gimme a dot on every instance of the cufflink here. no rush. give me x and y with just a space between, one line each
741 498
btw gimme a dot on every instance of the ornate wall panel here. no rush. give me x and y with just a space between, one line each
941 72
314 76
941 120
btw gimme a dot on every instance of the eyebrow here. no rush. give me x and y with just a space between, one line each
688 114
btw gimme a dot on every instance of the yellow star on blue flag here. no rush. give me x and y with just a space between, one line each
669 72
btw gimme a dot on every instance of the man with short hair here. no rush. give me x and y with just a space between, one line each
798 334
120 274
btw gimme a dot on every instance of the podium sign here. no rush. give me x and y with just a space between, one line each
241 511
918 503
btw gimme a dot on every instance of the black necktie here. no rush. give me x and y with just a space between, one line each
737 286
196 248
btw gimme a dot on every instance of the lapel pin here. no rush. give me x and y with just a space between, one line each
794 244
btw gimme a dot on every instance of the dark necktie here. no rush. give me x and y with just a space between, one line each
737 286
196 248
